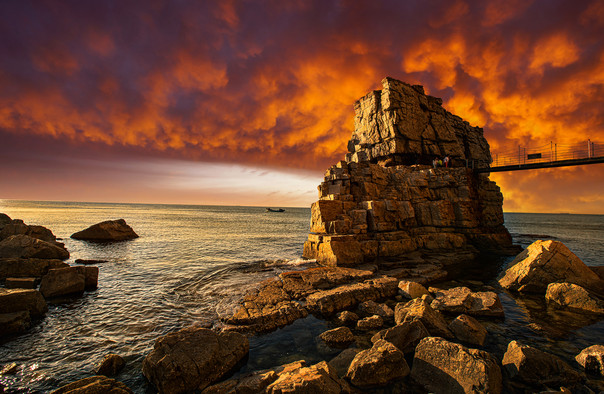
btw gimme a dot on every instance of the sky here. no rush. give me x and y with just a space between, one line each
249 102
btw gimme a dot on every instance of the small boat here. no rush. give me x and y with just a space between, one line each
275 210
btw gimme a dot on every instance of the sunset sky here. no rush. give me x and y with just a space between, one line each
249 102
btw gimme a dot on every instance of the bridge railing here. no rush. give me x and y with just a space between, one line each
548 153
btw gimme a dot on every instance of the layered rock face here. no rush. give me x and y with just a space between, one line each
386 201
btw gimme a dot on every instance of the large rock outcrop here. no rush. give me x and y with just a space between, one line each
107 231
385 200
23 246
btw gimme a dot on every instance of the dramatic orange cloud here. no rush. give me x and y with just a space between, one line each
272 84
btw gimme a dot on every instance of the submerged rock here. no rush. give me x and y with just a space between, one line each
193 358
107 231
441 366
571 296
545 262
111 365
378 366
23 247
592 359
94 385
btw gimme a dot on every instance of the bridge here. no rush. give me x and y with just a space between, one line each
546 156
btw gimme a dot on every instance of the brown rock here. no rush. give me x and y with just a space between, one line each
419 309
537 368
592 359
469 330
21 283
302 283
107 231
545 262
91 276
16 300
370 308
341 362
374 322
24 247
193 358
17 227
62 281
255 382
94 385
89 261
28 268
339 337
347 318
378 366
571 296
404 336
318 378
348 296
111 365
444 367
411 289
14 323
462 300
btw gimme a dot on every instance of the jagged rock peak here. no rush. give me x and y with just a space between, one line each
400 124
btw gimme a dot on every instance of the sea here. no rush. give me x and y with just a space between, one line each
191 264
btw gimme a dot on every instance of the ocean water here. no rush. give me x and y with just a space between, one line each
191 265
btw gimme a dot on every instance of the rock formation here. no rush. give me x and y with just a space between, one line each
107 231
385 200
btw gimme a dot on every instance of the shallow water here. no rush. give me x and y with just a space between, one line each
192 263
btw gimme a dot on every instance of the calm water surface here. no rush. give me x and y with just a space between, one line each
192 263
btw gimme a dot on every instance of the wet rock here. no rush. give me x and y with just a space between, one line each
14 323
62 281
89 261
419 309
404 336
571 296
21 283
255 382
341 362
378 366
193 358
15 300
91 276
592 359
370 308
462 300
339 337
374 322
318 378
469 330
24 247
9 369
347 318
447 367
107 231
545 262
94 385
411 289
17 227
299 284
28 268
537 368
343 297
111 365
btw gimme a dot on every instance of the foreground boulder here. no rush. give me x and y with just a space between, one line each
193 358
107 231
14 323
17 227
419 309
468 330
111 365
62 282
405 336
592 359
339 337
318 378
15 300
537 368
441 366
545 262
410 289
94 385
463 300
378 366
28 268
23 247
574 297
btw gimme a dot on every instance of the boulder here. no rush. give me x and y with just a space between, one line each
28 268
339 337
404 336
592 359
14 323
61 282
89 261
24 247
111 365
15 300
419 309
462 300
21 283
370 308
545 262
343 297
107 231
468 330
378 366
342 361
574 297
347 318
17 227
4 219
91 276
374 322
318 378
411 289
94 385
536 368
255 382
441 366
193 358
